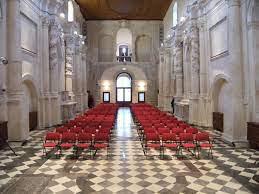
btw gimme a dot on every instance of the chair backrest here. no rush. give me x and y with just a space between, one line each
52 136
61 129
104 130
152 137
68 137
149 130
177 130
76 130
85 137
192 130
186 137
101 137
163 130
169 137
202 137
183 125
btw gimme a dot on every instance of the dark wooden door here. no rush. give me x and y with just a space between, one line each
218 121
3 133
253 134
33 120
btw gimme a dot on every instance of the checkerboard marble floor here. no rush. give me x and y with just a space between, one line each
127 169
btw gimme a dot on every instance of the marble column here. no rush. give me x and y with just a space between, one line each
204 101
167 79
77 75
17 130
178 65
84 78
238 132
3 68
69 46
44 116
160 78
195 72
54 71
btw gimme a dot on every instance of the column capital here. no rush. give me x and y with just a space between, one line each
232 3
70 39
45 20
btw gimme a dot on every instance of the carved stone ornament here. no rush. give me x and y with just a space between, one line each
45 21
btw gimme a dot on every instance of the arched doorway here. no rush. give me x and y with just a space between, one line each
222 103
124 88
30 105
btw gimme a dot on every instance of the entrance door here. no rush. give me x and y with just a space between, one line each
124 89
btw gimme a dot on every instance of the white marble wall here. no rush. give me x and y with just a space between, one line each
220 60
32 38
146 59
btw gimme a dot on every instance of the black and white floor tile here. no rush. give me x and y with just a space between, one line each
127 169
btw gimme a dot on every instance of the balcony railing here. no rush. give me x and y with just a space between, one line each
124 58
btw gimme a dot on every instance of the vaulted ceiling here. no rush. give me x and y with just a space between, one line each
124 9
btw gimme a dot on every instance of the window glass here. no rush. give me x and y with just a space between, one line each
70 15
124 80
175 14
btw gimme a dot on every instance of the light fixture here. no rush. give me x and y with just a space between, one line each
141 85
75 32
106 85
124 69
83 42
182 19
124 50
62 15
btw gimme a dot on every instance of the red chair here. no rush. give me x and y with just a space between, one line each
187 142
101 141
84 142
177 130
152 141
50 141
169 141
204 142
68 140
192 130
61 130
162 130
76 130
183 125
105 130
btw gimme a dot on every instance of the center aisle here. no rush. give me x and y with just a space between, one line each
125 141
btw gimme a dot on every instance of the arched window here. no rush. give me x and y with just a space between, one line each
175 14
123 88
1 11
124 45
70 9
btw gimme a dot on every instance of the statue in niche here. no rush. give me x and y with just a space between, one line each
195 48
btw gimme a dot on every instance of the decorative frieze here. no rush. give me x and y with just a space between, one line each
54 35
194 36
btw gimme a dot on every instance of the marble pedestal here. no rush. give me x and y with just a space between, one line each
182 110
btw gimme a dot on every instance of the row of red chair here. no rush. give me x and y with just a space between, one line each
157 129
82 133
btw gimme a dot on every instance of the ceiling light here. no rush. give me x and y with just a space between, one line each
83 42
75 32
124 69
62 15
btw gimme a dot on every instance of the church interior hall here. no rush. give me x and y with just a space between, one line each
132 96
